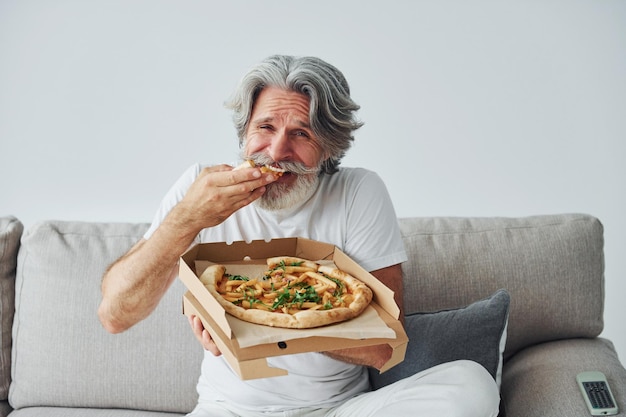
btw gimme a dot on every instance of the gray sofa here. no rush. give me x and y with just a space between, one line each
465 280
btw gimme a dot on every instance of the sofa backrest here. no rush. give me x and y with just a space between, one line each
61 354
551 265
10 233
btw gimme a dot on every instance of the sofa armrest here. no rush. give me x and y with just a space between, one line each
5 408
541 380
10 233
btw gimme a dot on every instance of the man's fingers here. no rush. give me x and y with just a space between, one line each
203 335
209 344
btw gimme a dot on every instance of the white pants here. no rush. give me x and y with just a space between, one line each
461 388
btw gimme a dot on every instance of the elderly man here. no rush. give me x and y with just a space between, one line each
295 114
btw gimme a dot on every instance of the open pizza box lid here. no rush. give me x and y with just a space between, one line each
377 325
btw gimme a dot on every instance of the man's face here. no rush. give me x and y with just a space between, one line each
279 134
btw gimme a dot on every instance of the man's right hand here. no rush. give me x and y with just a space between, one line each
218 192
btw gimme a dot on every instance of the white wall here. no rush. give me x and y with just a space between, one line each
472 108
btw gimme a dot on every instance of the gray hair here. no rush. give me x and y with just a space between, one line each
331 110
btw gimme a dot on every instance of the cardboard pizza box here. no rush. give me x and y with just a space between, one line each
249 359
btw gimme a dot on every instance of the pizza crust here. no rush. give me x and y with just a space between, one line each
302 319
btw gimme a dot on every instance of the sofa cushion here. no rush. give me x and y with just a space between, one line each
87 412
556 365
62 355
10 233
476 332
551 265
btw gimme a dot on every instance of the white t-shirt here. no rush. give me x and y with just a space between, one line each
350 209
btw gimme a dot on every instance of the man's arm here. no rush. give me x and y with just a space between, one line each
378 355
133 286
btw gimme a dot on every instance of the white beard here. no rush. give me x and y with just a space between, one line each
281 196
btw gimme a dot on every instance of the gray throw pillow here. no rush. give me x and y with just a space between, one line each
476 332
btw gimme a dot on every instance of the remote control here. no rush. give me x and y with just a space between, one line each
597 394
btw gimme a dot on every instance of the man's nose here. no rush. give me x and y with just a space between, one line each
279 148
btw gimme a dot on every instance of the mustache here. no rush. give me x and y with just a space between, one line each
290 166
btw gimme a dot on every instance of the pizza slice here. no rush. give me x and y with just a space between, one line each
264 168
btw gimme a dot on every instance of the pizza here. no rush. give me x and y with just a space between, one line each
292 293
264 168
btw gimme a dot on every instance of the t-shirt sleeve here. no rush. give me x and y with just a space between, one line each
173 197
373 235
